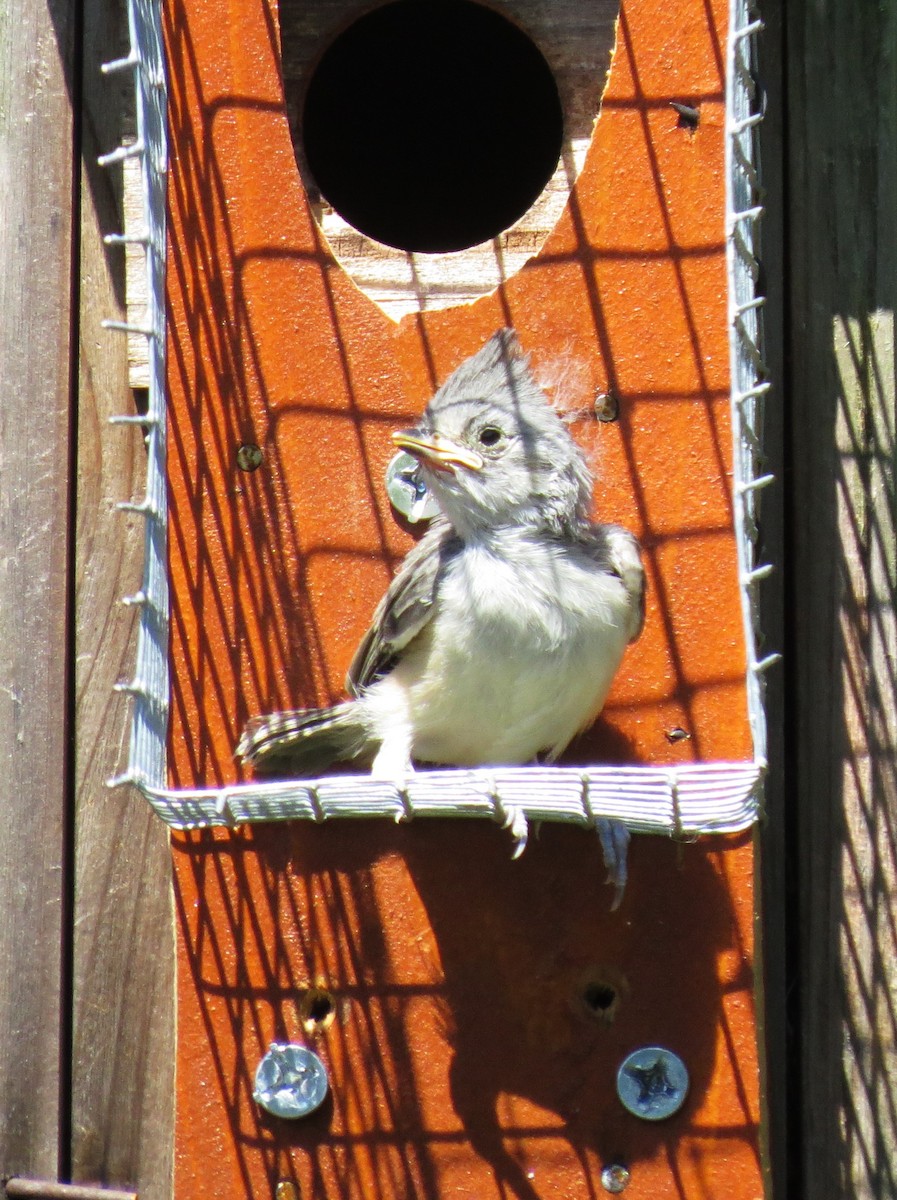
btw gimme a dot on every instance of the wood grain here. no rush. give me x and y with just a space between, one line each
774 877
461 1061
123 961
38 1189
842 176
35 295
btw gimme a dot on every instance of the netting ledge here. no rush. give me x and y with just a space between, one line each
682 801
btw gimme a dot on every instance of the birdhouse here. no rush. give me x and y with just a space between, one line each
418 986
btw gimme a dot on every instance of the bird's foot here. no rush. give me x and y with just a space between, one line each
392 765
614 838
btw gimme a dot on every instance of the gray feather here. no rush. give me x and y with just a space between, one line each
305 742
539 479
405 609
617 551
499 637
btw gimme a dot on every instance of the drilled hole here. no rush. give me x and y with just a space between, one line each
601 992
432 126
317 1008
599 998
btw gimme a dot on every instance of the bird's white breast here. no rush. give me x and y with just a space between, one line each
520 653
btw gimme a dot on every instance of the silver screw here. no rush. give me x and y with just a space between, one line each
406 489
291 1081
249 456
652 1083
615 1178
607 406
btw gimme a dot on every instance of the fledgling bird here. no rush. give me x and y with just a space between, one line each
499 637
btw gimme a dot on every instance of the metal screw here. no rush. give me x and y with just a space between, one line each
652 1083
677 734
689 116
615 1178
407 491
607 406
249 456
291 1081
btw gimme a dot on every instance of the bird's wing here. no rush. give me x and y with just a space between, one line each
619 552
405 609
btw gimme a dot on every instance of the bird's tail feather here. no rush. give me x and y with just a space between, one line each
304 742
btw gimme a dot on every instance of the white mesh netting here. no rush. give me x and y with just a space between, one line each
677 801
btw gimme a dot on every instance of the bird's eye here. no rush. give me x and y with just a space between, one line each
490 436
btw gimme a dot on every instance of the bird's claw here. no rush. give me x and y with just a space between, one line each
614 838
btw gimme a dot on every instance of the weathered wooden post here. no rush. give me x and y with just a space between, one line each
471 1010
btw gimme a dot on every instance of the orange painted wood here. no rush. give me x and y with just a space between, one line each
465 1062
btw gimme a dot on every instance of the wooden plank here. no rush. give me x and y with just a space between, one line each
39 1189
123 961
35 295
774 878
843 228
464 1053
577 41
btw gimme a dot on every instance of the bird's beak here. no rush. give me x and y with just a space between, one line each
438 450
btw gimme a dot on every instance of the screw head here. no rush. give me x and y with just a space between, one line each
607 406
249 456
290 1081
677 734
615 1178
407 491
652 1083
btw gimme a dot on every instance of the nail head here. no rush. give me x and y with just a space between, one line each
615 1178
249 456
607 406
